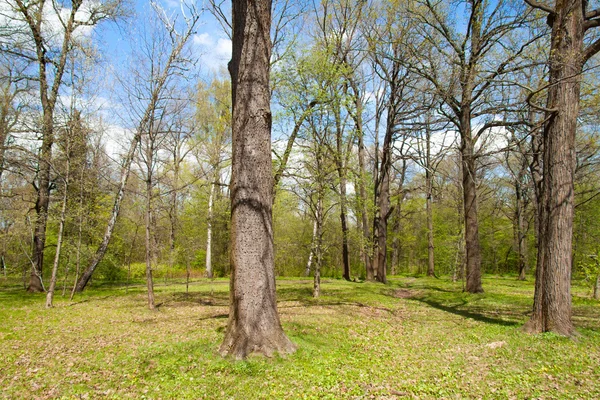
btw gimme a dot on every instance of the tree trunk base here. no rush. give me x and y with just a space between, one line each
534 326
239 342
474 289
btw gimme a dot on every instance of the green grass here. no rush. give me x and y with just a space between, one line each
413 338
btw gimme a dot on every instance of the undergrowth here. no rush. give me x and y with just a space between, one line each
413 338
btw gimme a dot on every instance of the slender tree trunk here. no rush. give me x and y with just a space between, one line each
472 246
254 324
428 205
396 241
520 220
342 169
160 81
149 257
597 288
99 255
364 213
4 128
290 144
187 275
319 245
79 233
173 220
149 219
67 264
344 221
312 249
209 222
383 208
61 229
42 202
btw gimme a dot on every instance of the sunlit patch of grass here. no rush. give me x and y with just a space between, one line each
415 337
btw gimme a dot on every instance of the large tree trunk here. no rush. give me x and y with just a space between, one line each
552 300
254 324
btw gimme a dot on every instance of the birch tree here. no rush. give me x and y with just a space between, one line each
165 63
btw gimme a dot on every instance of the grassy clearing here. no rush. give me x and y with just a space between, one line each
416 337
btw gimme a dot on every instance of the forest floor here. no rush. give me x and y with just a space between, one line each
413 338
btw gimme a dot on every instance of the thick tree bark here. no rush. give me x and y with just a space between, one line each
552 300
254 325
467 152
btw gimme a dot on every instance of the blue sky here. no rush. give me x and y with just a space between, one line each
210 42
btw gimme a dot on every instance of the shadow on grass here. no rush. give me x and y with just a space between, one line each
456 310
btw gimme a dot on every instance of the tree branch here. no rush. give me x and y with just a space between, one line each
591 50
540 6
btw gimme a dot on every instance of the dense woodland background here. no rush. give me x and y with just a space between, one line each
369 101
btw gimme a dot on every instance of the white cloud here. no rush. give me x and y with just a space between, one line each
203 39
216 52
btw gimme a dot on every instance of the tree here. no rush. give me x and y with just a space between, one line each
254 324
213 114
570 22
314 178
73 135
462 66
35 40
148 96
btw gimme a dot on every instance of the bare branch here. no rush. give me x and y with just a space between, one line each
540 6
